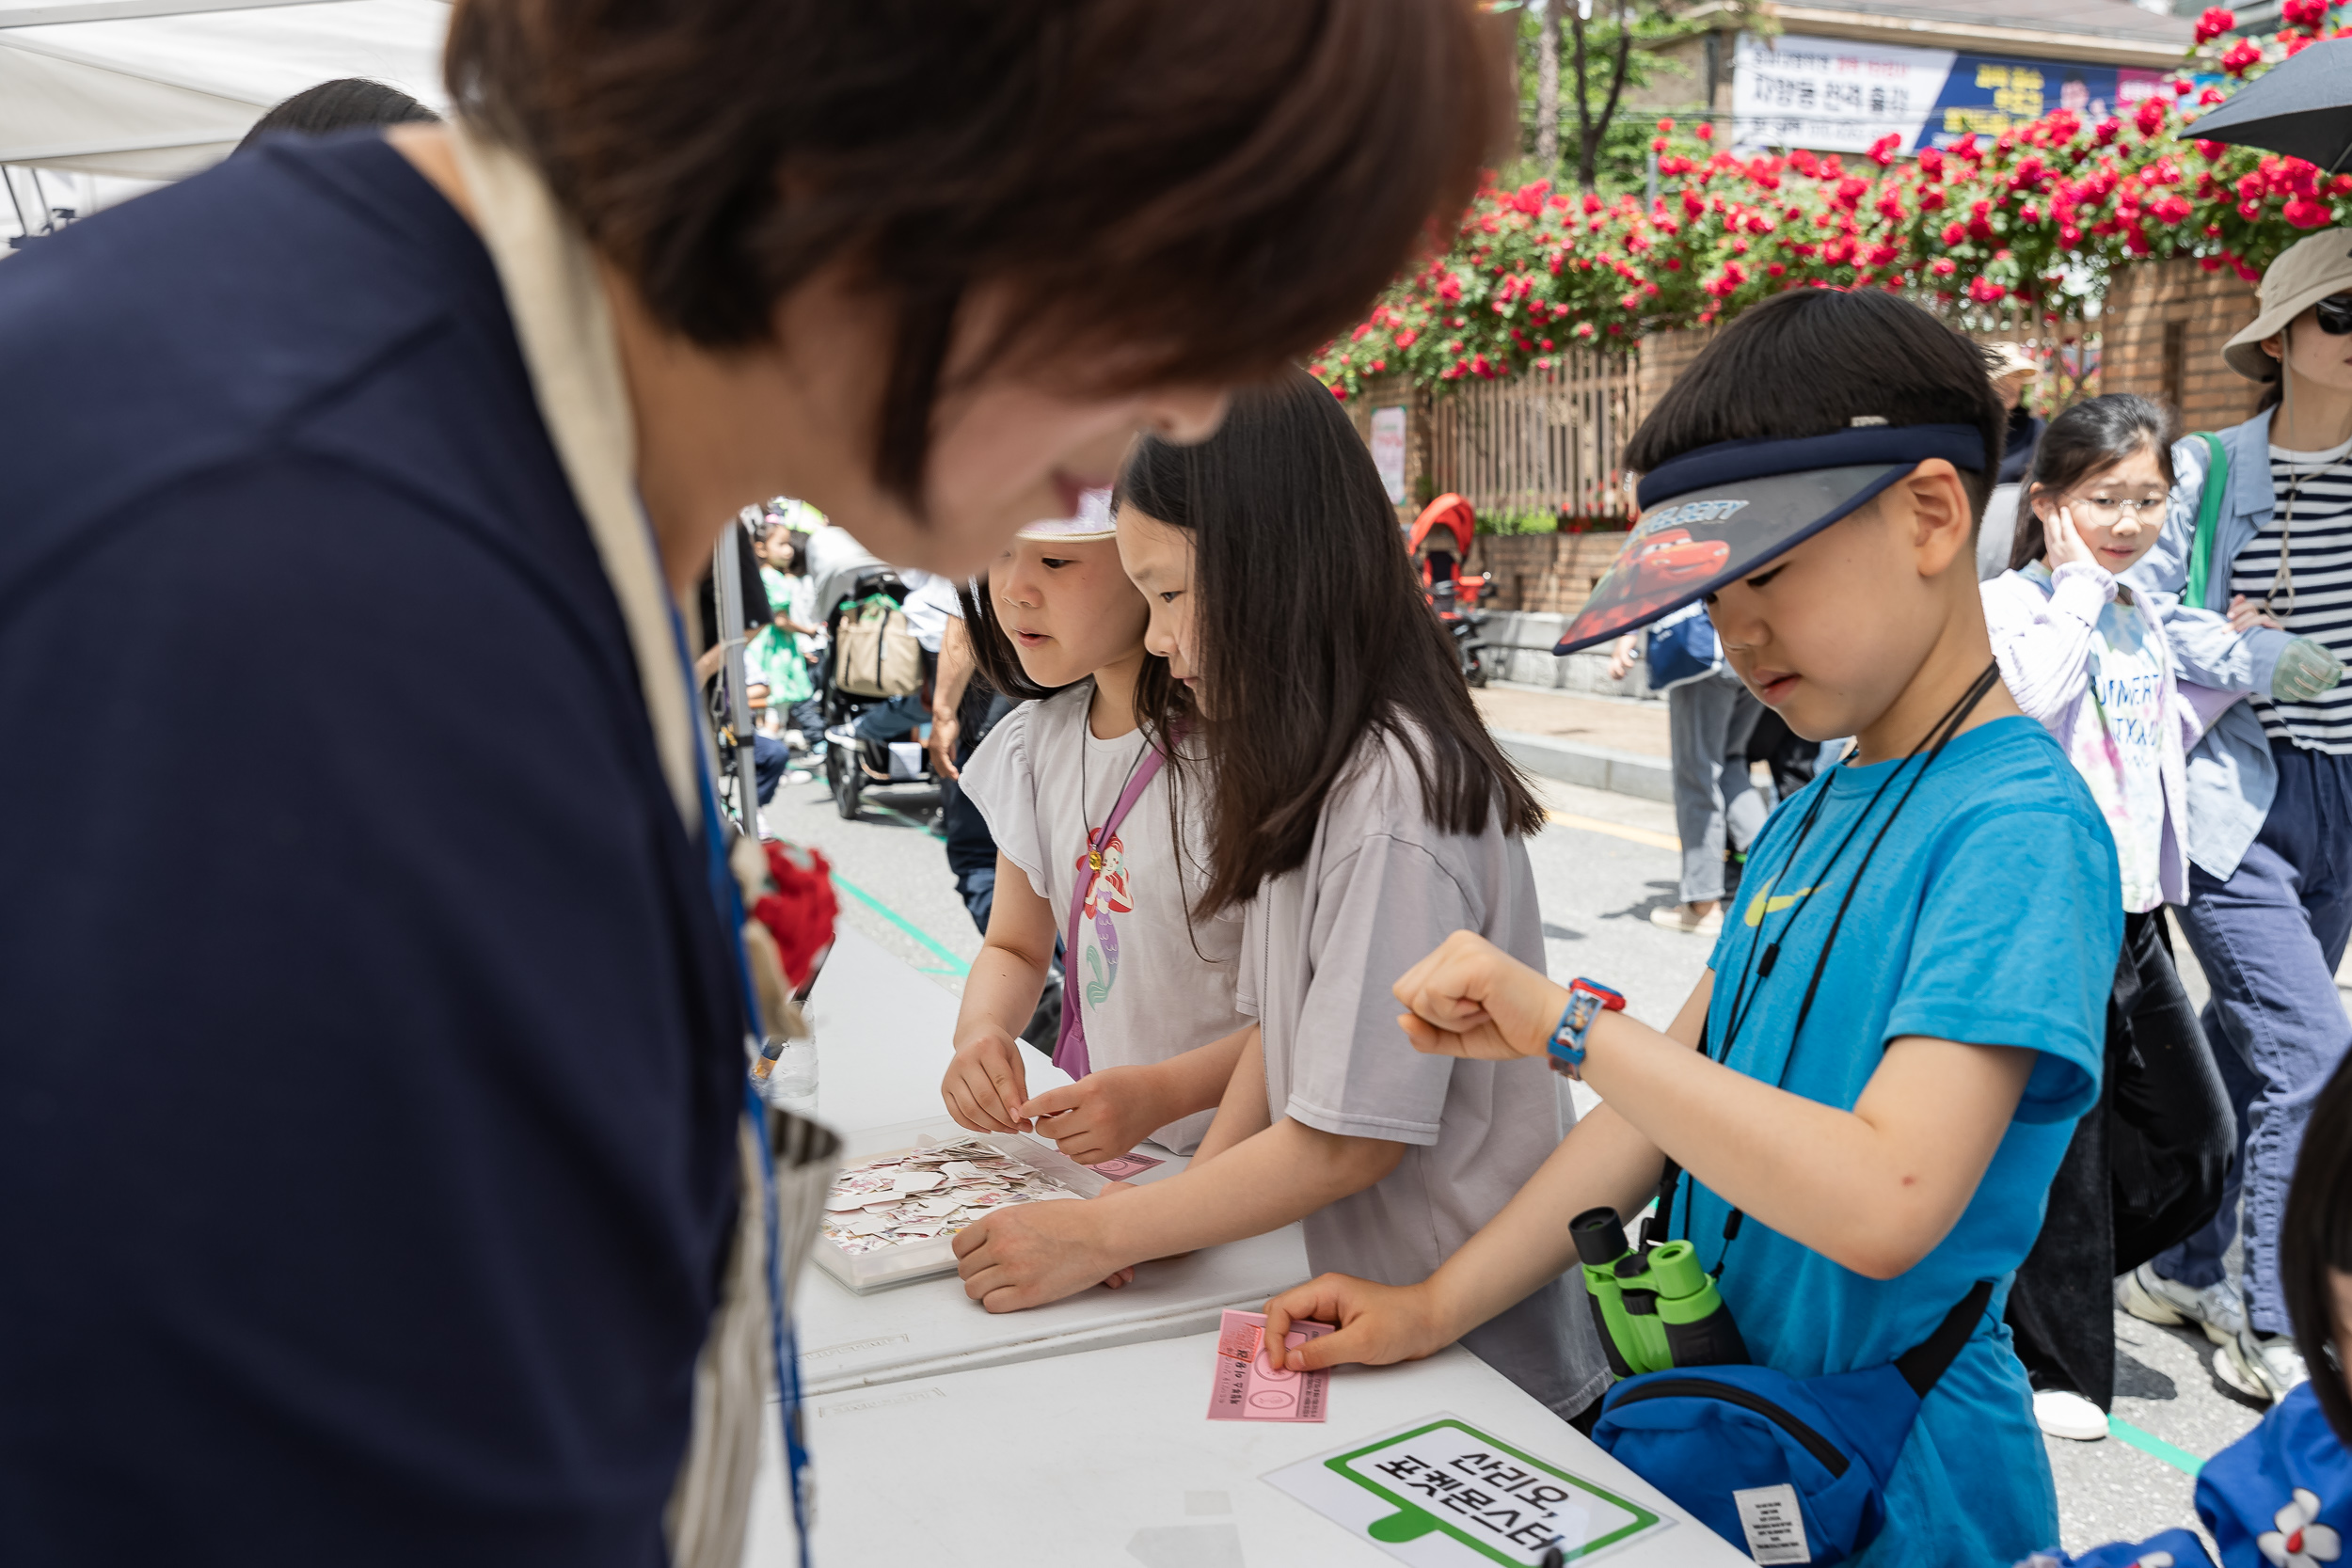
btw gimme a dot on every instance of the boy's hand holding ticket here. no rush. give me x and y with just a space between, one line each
1471 999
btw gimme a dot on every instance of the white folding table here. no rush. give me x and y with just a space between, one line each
884 1038
1107 1459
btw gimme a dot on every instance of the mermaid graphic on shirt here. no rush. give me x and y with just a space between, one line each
1106 896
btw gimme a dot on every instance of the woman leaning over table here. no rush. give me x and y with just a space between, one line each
371 1149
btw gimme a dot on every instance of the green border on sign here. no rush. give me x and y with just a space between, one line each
1643 1517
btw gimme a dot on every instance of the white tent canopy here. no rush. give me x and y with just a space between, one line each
156 89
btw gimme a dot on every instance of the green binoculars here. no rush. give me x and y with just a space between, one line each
1657 1308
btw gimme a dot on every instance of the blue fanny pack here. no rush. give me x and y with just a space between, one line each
1796 1467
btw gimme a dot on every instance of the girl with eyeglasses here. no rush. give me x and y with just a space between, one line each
2257 545
2087 657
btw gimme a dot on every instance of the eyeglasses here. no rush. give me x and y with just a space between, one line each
2101 510
2335 314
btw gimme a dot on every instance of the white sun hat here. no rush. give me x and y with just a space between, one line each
1094 521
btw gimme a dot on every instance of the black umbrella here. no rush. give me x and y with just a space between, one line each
2301 107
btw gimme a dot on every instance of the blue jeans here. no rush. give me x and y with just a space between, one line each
807 718
2269 939
890 721
769 758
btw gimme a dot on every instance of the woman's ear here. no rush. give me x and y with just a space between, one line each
2045 505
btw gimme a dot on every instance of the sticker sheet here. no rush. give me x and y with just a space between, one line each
1440 1494
928 1194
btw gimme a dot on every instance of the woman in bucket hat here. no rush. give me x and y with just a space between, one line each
2263 569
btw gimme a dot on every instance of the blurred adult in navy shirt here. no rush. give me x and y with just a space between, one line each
370 1071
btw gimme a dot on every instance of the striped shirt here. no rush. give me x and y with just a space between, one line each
2319 545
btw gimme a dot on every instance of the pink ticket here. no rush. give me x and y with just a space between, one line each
1125 1166
1250 1388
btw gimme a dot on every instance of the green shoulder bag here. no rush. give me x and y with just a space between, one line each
2208 518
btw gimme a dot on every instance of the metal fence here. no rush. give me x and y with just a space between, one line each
1543 442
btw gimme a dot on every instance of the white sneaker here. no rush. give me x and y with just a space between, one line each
2261 1365
2151 1298
2063 1413
1677 917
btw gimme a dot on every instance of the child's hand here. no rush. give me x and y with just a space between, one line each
1100 1117
2245 615
985 1085
1470 998
2062 545
1378 1324
1035 1253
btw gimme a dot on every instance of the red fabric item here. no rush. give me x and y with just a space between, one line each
800 913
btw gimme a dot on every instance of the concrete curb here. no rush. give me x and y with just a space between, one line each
1594 767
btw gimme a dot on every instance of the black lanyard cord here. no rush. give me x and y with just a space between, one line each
1744 997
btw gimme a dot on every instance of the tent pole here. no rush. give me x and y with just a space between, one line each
726 574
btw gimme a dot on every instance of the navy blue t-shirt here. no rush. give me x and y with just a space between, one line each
369 1060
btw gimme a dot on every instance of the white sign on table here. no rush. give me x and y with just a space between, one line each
1441 1494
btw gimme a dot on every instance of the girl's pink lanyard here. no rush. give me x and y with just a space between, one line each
1070 1049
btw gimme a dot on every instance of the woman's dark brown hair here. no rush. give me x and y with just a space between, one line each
2315 1239
2096 434
1200 190
1311 635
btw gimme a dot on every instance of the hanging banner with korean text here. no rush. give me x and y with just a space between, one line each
1840 95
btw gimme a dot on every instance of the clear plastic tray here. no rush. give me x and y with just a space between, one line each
903 1263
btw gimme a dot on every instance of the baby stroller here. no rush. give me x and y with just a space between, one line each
873 662
1453 597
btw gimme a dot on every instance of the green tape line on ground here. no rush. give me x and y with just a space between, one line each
2149 1443
956 965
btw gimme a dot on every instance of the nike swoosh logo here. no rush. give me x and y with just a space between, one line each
1766 903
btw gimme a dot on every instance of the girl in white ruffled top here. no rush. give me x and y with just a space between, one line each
2088 656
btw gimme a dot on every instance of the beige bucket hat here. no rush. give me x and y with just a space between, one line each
2004 359
2305 273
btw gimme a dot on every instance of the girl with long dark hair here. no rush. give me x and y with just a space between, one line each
2086 656
1358 813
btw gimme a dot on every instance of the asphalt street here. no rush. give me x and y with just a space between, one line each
1603 865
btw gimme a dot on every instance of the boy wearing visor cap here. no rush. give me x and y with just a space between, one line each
1855 1116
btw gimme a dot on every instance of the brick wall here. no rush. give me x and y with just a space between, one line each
1546 573
2161 335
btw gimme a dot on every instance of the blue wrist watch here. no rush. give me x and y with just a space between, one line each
1587 1000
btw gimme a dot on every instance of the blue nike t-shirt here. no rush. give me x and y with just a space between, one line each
370 1059
1987 915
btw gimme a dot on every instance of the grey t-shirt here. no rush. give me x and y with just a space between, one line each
1381 887
1153 981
